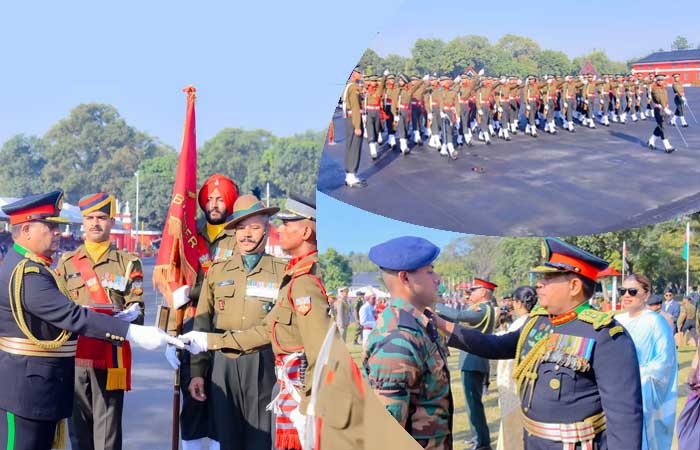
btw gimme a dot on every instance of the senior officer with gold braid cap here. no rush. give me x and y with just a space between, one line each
295 327
237 294
109 281
576 368
39 325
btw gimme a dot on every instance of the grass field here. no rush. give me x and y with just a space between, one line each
461 421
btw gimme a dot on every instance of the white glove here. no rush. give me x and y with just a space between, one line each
426 77
668 111
150 338
459 120
685 100
585 81
458 79
171 356
195 342
386 72
430 116
481 112
129 314
181 296
481 72
500 109
585 101
527 107
443 115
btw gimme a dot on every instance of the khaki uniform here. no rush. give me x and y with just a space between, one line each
353 121
234 299
96 421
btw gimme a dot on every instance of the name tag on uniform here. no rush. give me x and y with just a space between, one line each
262 289
225 283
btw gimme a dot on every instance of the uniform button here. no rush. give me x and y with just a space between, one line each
554 383
108 335
525 409
121 339
556 367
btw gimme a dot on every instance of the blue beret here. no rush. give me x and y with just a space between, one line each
404 253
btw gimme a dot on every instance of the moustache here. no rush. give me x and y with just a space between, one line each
96 229
248 240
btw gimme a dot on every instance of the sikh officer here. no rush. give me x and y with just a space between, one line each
354 129
216 198
237 294
406 361
39 325
576 369
295 327
107 280
481 315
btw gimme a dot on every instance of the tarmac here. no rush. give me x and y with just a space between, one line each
590 181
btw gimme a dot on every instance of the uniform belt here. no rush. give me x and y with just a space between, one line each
404 107
25 347
448 107
532 98
569 434
551 97
417 102
464 102
372 107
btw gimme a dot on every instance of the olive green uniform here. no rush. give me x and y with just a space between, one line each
353 121
96 422
233 298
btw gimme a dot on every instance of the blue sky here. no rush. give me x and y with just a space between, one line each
346 228
250 61
632 28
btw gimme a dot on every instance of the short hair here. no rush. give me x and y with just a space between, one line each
588 284
16 230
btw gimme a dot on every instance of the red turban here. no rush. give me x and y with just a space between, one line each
226 187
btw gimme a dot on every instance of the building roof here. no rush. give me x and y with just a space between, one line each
676 55
588 69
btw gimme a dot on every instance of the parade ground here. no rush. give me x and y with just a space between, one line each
589 181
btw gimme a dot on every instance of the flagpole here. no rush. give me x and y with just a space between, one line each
624 258
687 258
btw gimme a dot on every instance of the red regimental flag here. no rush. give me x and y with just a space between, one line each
177 261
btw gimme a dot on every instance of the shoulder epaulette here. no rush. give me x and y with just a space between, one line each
406 320
68 255
538 311
598 319
303 268
31 269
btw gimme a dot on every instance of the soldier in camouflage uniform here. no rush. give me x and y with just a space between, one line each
475 370
406 362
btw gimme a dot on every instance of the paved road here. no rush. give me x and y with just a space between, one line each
589 181
148 406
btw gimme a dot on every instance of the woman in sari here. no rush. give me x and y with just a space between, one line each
510 432
656 352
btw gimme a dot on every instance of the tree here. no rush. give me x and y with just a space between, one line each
370 62
553 63
600 61
464 51
680 43
359 262
519 255
519 46
396 64
156 180
94 139
23 159
335 270
426 54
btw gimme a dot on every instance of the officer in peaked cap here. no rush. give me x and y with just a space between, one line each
405 342
297 208
39 325
576 368
481 315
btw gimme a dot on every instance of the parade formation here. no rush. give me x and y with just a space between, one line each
451 112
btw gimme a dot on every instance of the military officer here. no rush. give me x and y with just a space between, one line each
401 109
216 198
354 129
373 106
575 368
406 361
237 294
659 98
390 93
295 326
107 280
449 115
679 100
38 328
481 316
532 96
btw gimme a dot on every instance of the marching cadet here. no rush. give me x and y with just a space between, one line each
106 280
571 361
39 325
659 98
532 96
514 101
390 93
679 100
484 93
502 108
237 294
216 198
588 96
418 107
604 99
352 113
466 107
549 99
568 101
433 105
475 369
295 326
406 361
638 93
449 115
614 98
373 106
648 85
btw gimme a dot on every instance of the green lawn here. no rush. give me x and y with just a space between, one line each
461 424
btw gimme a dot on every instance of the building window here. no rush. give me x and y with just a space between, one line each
685 65
685 76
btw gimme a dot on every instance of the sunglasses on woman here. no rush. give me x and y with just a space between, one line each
632 291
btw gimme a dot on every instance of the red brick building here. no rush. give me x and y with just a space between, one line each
684 62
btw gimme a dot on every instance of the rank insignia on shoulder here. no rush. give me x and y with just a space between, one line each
302 305
616 330
225 283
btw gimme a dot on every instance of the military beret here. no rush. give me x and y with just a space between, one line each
676 75
404 253
560 256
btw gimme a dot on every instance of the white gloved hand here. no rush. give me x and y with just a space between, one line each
585 101
195 342
386 72
527 107
458 79
171 356
129 314
668 111
459 120
500 109
443 115
481 112
181 296
430 116
426 77
150 338
685 100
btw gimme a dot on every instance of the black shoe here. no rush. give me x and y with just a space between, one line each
488 142
685 126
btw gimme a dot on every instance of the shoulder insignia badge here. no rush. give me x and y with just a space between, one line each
31 269
538 311
598 319
616 330
302 305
